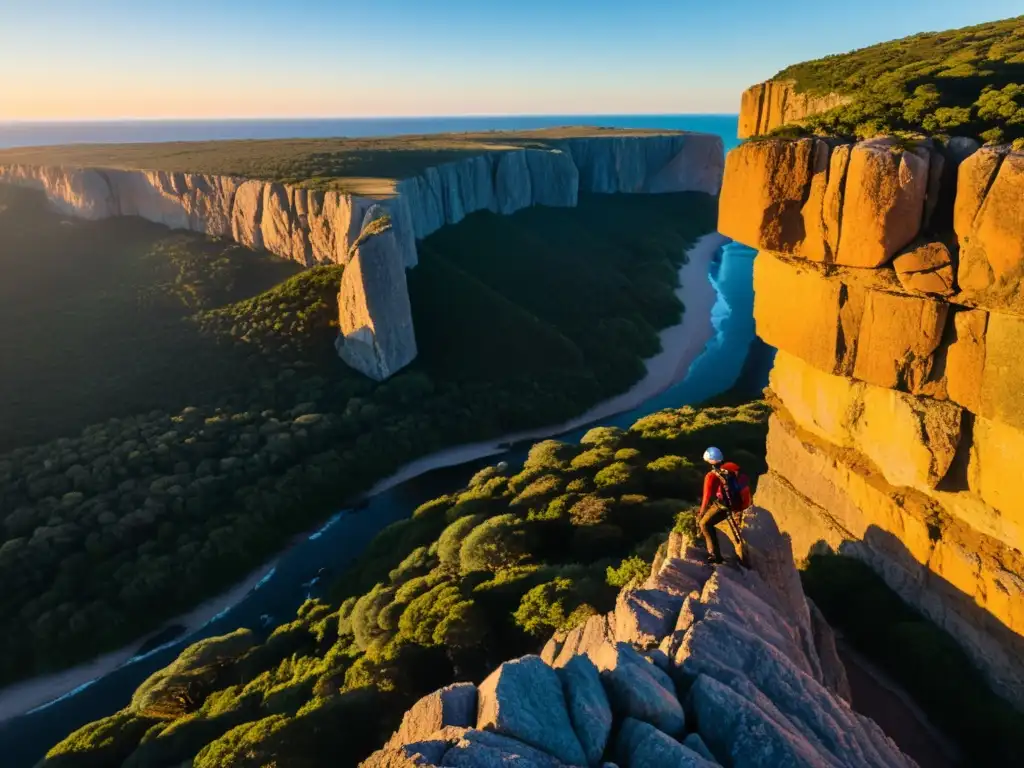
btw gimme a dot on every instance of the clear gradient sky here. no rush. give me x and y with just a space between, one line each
108 59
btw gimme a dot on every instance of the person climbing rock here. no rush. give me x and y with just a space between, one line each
726 493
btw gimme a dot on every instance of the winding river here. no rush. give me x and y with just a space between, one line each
723 364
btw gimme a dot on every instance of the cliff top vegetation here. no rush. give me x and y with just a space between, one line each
967 82
364 166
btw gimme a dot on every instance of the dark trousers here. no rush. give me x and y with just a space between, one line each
715 514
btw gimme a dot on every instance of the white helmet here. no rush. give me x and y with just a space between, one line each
713 456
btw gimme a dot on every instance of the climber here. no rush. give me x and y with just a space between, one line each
726 493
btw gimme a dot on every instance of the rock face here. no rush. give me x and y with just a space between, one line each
850 204
896 388
374 314
316 227
523 699
746 670
774 103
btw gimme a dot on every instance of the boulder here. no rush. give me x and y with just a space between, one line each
763 192
636 688
883 202
589 710
454 705
989 223
374 314
643 616
485 749
640 745
524 699
926 268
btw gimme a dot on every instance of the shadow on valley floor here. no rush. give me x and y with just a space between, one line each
913 650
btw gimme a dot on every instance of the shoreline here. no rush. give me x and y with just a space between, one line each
681 344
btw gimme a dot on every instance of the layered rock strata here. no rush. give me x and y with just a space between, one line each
694 667
899 415
314 227
775 103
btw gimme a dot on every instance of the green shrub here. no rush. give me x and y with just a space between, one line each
593 459
617 478
449 545
630 569
590 510
497 543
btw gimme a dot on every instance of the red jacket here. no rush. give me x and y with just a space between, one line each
713 487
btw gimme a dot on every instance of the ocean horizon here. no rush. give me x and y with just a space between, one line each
50 133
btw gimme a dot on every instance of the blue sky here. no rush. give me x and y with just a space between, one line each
104 59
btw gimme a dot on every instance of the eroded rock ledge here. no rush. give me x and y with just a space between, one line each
314 227
694 667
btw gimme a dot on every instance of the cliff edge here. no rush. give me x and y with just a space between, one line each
898 421
775 103
694 667
312 226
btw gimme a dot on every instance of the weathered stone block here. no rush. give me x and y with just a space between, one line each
911 440
989 222
926 268
763 191
883 203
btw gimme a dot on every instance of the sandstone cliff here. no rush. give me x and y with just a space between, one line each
774 103
312 227
899 422
694 667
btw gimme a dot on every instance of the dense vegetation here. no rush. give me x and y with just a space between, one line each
962 82
121 525
919 655
365 166
472 578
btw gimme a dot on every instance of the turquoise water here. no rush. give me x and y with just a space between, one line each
45 134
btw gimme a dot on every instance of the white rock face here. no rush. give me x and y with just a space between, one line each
317 227
374 315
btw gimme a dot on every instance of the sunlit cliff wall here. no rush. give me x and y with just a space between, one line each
890 279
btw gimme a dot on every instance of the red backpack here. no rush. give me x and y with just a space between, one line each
734 490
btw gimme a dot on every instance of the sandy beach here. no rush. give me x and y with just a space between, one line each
680 346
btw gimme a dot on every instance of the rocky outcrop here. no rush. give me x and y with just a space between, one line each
744 685
375 317
899 415
774 103
849 204
315 227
